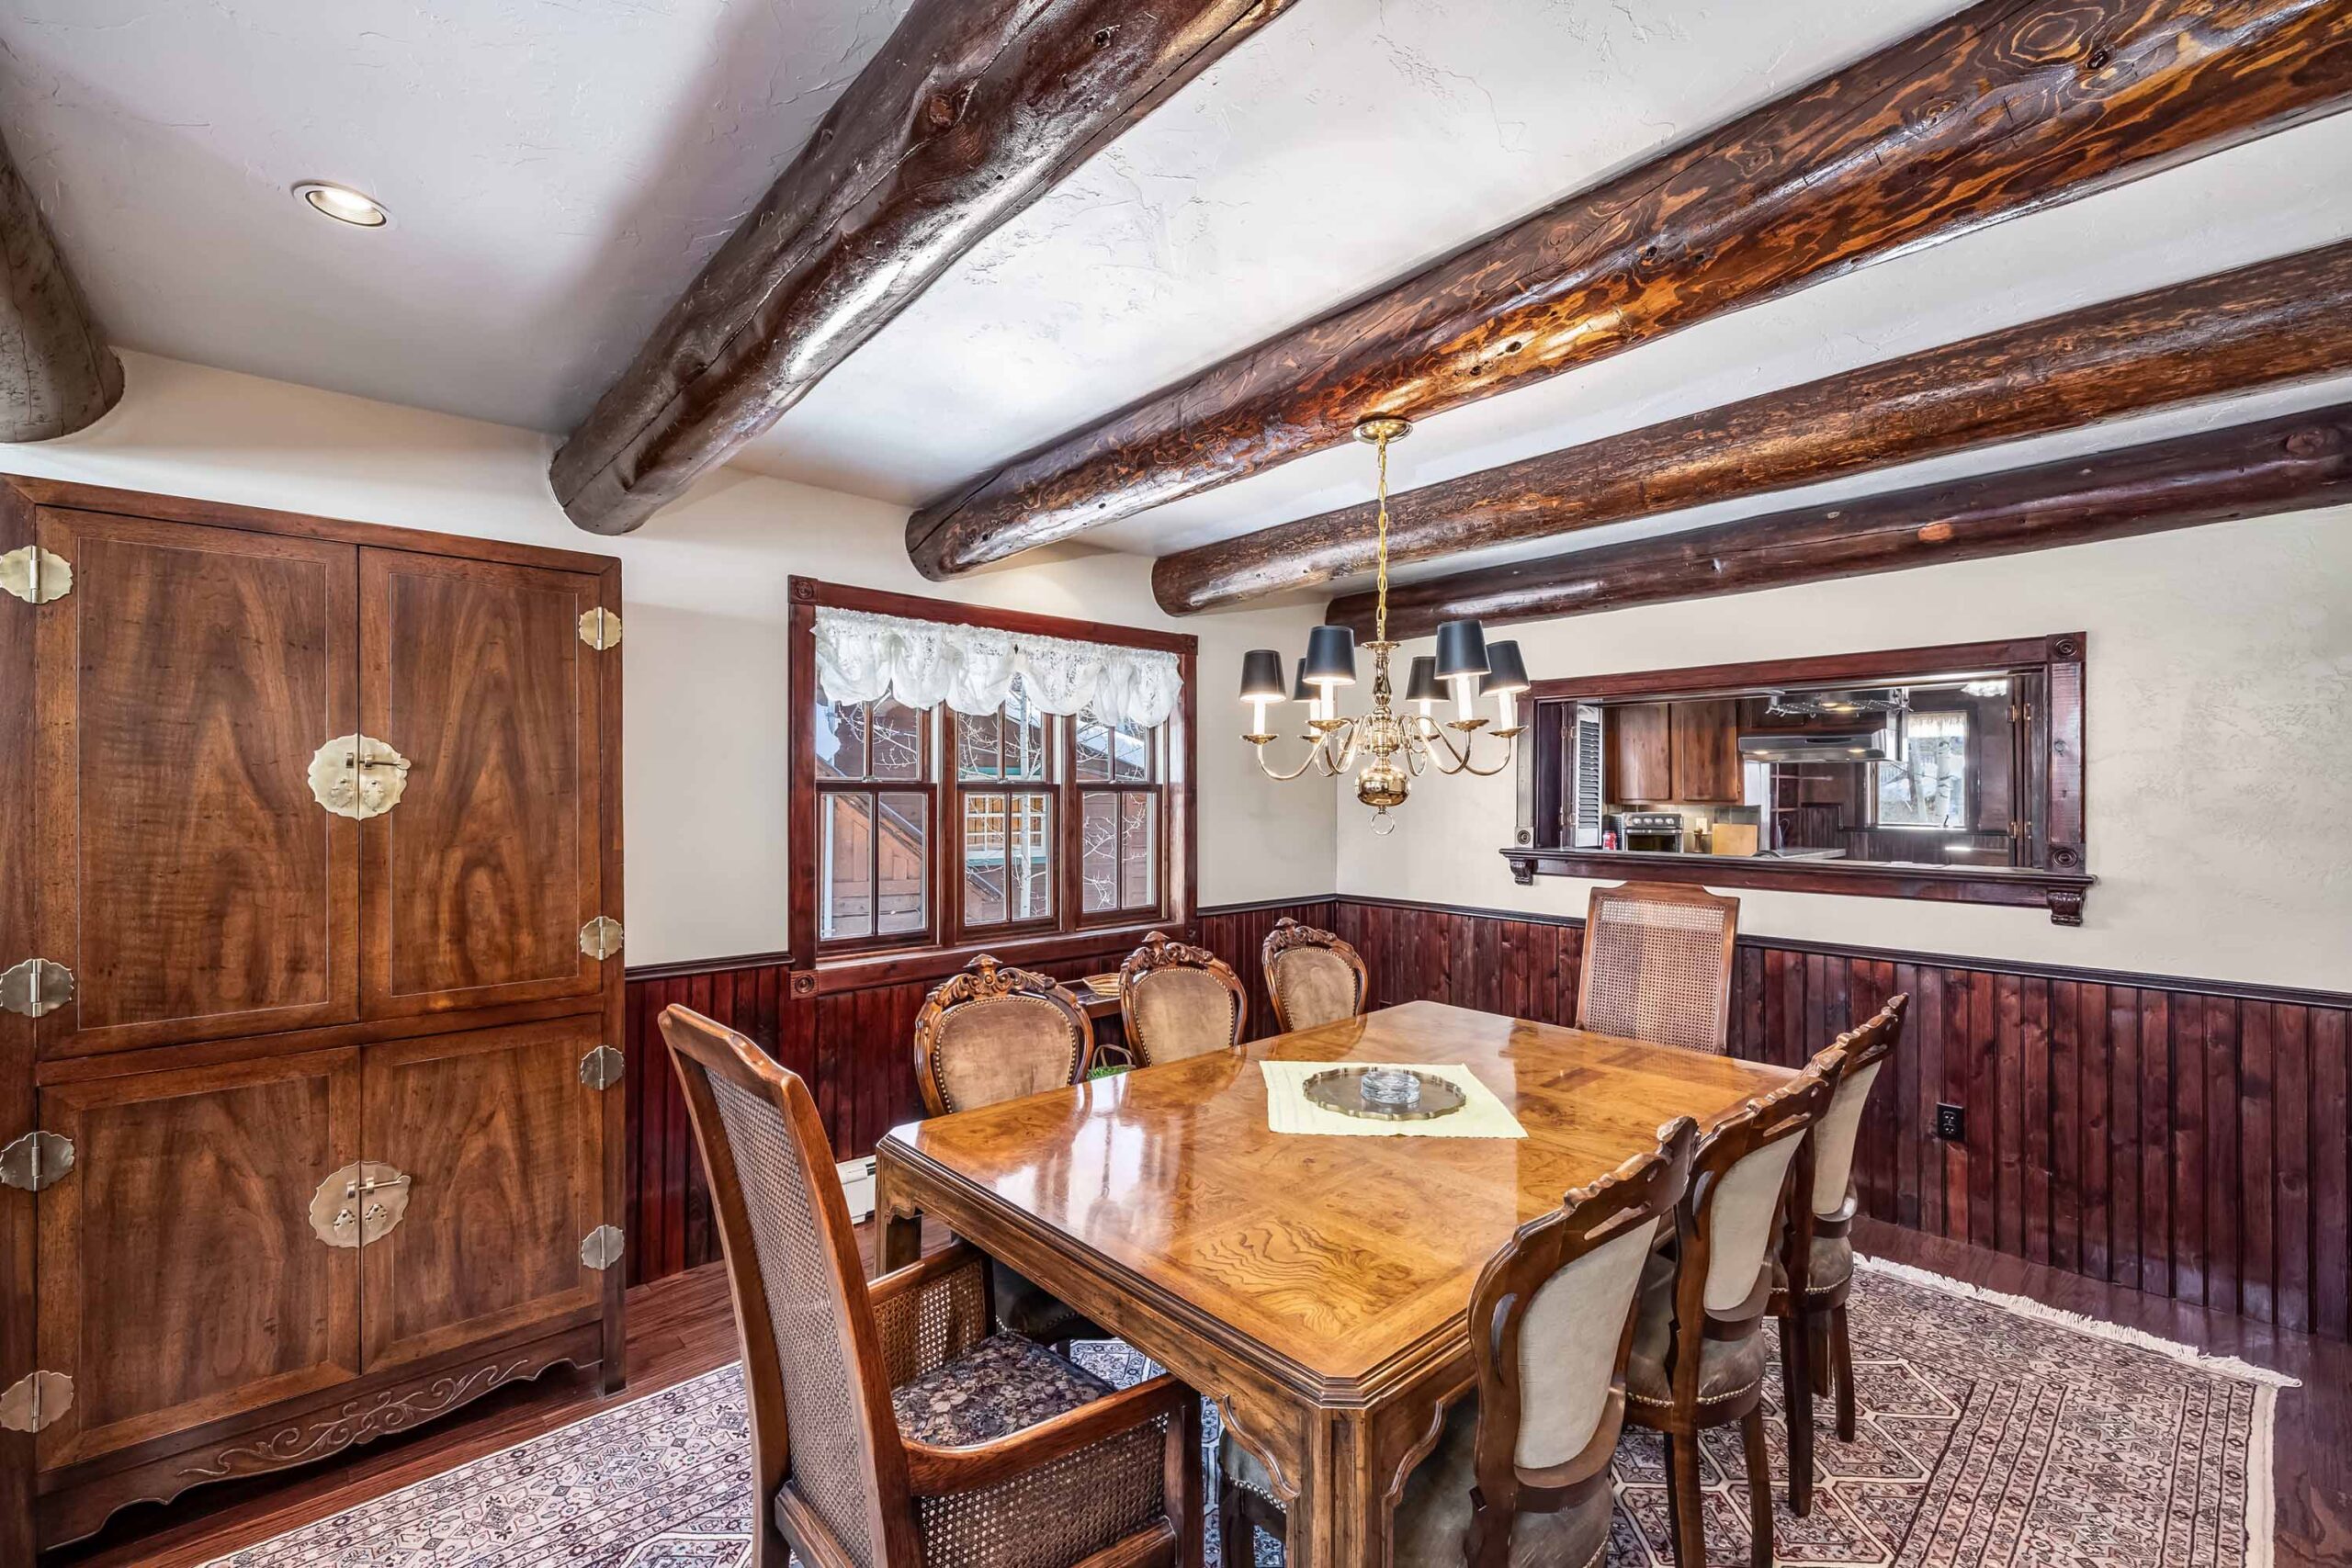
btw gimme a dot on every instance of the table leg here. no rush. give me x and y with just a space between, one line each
1358 1463
898 1225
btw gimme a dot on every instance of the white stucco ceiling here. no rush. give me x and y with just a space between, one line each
557 169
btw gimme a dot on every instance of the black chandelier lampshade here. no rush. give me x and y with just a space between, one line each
1505 672
1332 655
1303 693
1261 676
1460 650
1421 686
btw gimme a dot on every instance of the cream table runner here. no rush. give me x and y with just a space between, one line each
1289 1110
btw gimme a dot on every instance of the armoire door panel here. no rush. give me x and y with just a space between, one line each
180 1279
478 882
189 878
503 1146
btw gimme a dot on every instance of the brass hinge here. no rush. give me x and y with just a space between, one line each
35 987
601 1249
34 575
600 629
35 1160
601 1068
36 1400
601 938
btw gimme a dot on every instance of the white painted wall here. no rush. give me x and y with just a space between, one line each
704 607
2219 749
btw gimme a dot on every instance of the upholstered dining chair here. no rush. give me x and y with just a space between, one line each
1816 1355
1698 1352
1520 1475
1177 1000
1657 964
890 1422
1312 975
991 1033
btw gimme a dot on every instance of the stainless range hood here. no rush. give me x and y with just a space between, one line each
1879 744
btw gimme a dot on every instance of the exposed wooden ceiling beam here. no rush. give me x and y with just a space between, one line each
2277 321
972 111
57 375
2246 470
2005 107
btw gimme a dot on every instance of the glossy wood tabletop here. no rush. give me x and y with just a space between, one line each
1335 1254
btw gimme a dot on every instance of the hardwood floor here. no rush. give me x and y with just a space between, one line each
684 1325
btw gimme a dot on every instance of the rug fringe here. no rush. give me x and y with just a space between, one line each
2098 1328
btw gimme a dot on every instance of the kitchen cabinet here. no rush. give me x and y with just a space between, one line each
1678 751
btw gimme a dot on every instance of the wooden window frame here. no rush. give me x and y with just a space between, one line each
947 945
926 784
2053 772
1076 790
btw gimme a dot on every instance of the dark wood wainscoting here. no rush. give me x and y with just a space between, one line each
2179 1137
855 1048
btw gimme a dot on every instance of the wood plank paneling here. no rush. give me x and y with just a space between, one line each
2190 1140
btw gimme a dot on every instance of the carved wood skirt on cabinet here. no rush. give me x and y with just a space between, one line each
309 1115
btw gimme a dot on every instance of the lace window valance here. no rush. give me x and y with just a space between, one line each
862 657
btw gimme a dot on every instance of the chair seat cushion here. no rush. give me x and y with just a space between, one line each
1832 1265
1001 1385
1727 1368
1432 1521
1026 1309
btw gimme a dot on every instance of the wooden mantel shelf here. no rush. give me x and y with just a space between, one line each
2061 892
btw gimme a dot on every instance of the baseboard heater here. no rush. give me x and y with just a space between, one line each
857 1185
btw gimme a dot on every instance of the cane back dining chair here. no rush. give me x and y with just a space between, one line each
1312 975
890 1424
1177 1000
1812 1318
1698 1353
991 1033
1520 1472
1657 964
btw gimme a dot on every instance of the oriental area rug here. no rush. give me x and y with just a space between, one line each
1992 1431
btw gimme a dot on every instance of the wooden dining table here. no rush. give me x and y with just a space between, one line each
1313 1288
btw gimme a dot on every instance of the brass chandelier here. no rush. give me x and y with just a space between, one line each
1396 748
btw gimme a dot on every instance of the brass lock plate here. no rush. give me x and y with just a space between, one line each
359 1203
357 776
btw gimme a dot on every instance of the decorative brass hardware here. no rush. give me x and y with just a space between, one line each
357 776
600 629
359 1203
601 1249
35 1161
34 575
35 987
601 938
37 1401
601 1067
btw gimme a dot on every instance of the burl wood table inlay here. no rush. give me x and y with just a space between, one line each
1313 1287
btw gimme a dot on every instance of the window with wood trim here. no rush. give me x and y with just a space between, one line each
933 831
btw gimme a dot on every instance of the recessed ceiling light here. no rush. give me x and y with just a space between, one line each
344 204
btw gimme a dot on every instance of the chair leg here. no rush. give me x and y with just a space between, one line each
1685 1506
1816 1343
1842 1352
1759 1490
1796 1405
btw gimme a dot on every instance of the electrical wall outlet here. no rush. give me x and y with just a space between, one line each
1951 1123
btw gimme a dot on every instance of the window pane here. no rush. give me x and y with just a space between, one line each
1138 853
1029 887
901 864
1133 755
1928 788
844 878
841 740
1093 750
984 859
897 740
978 737
1098 849
1024 737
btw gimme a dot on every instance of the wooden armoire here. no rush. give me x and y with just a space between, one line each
311 992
